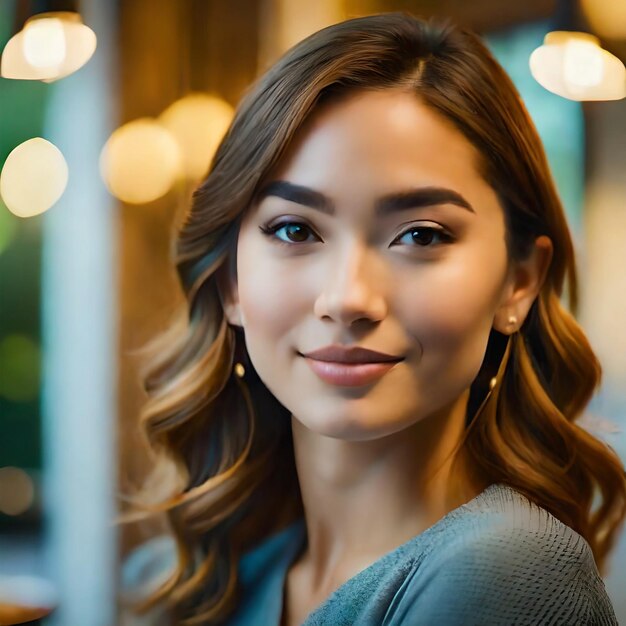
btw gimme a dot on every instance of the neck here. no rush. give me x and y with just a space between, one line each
364 498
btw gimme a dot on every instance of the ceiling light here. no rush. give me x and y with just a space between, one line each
574 65
50 46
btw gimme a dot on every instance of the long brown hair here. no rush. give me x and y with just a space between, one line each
229 441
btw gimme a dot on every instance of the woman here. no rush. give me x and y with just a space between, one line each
381 199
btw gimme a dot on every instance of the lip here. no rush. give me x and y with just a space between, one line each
350 374
349 367
340 354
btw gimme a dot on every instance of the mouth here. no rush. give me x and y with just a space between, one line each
350 374
338 353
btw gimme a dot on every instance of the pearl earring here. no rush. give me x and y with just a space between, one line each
512 320
239 370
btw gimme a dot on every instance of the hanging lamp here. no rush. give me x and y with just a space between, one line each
573 64
53 42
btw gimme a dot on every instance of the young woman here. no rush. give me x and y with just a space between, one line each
371 404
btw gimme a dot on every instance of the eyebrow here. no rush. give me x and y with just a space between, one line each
390 203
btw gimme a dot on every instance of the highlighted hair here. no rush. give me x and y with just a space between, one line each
228 444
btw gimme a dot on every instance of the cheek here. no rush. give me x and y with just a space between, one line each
268 292
461 291
449 314
455 298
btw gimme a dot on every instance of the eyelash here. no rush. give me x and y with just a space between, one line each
270 231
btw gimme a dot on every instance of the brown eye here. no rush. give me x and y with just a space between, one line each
295 232
424 236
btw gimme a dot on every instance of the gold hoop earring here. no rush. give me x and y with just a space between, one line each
239 353
497 378
239 372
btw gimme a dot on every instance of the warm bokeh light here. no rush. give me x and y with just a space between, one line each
44 43
33 177
17 491
141 161
298 20
19 368
574 66
606 17
49 47
198 121
582 64
8 228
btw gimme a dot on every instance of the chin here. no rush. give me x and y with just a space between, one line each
350 428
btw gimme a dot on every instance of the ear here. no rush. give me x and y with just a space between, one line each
523 285
227 288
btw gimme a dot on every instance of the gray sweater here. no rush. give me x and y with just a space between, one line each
497 560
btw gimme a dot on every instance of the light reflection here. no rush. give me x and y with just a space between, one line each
582 64
33 178
44 43
50 46
573 65
141 161
198 121
17 491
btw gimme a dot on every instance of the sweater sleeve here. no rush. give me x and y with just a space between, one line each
509 575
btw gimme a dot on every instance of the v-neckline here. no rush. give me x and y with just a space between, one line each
299 527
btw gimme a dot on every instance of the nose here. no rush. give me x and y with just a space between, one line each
353 288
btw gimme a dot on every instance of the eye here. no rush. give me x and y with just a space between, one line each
296 232
425 235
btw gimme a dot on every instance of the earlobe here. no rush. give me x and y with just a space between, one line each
523 287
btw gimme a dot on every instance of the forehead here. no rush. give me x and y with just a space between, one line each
381 135
370 144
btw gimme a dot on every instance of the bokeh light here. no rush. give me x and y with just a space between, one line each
44 43
50 46
33 178
606 17
141 161
199 122
17 491
574 66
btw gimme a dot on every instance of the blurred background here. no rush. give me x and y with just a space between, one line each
100 149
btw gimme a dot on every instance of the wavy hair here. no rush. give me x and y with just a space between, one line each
228 440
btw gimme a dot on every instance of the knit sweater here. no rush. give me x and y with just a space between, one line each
497 560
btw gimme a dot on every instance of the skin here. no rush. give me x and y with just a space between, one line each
372 461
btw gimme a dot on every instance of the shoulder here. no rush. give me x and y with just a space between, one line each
503 527
507 560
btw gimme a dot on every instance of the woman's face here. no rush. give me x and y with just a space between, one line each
421 280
